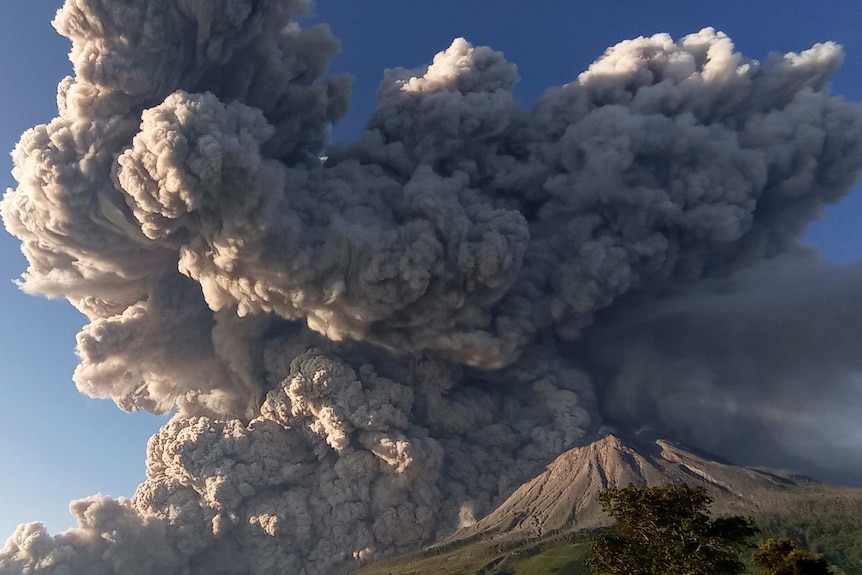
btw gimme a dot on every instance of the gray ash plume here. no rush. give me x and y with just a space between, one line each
371 344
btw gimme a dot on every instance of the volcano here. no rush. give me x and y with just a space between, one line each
565 496
560 507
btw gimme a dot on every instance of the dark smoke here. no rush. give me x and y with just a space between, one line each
763 365
371 344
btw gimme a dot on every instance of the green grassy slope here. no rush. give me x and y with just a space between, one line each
839 542
560 557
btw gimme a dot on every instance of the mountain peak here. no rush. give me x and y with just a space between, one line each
565 495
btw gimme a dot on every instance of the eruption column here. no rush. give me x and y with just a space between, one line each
368 350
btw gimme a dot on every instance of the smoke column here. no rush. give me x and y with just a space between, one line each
371 344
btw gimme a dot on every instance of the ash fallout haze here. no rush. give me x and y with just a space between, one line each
371 317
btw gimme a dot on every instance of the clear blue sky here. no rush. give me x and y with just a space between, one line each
56 445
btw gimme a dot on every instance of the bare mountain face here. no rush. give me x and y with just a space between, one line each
565 496
543 514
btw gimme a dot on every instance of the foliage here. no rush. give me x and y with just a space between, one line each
835 531
784 556
668 530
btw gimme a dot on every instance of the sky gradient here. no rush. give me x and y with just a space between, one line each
56 444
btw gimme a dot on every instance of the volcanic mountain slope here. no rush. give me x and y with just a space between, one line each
542 516
565 496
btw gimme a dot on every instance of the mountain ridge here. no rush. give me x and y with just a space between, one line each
558 510
565 495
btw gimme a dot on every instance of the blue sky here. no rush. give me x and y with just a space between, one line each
56 445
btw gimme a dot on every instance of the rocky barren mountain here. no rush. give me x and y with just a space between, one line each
565 496
545 518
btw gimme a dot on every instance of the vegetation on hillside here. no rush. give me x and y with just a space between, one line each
784 556
668 529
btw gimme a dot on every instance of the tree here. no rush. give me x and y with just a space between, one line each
785 557
668 531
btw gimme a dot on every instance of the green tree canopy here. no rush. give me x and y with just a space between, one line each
785 557
668 531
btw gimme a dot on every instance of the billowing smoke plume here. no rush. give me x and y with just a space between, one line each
373 343
771 353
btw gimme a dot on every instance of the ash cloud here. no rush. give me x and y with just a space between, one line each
763 365
369 350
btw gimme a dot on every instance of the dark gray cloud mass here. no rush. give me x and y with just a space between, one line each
371 344
763 365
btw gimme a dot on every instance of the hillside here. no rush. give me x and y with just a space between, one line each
557 510
564 496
